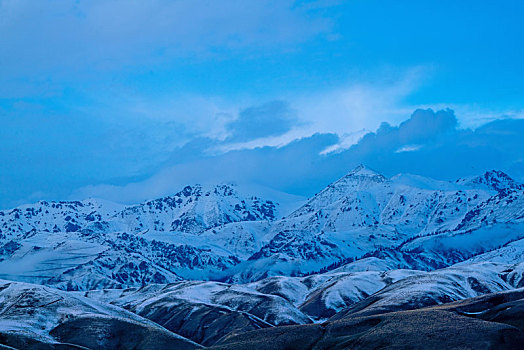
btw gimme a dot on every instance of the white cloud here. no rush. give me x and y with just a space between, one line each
408 148
347 111
346 141
474 115
363 104
167 121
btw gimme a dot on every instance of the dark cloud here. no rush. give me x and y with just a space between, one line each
269 119
443 151
423 127
431 144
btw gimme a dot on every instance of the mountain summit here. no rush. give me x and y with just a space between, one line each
359 177
492 180
362 170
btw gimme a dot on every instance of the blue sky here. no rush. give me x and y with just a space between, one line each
129 99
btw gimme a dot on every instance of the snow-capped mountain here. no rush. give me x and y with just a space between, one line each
196 209
222 233
208 264
98 244
424 223
192 210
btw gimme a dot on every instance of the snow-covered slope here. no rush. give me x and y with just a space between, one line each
222 233
363 213
196 209
435 287
204 311
39 317
322 295
56 217
98 244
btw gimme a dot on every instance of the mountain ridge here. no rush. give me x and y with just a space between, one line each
233 269
217 232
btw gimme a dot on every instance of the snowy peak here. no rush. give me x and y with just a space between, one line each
360 177
359 180
492 180
362 170
196 209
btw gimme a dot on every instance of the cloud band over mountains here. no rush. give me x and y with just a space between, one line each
429 143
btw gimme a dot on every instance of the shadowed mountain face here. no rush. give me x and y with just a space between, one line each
488 322
368 262
220 314
205 311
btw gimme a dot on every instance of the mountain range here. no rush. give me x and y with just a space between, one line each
229 266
